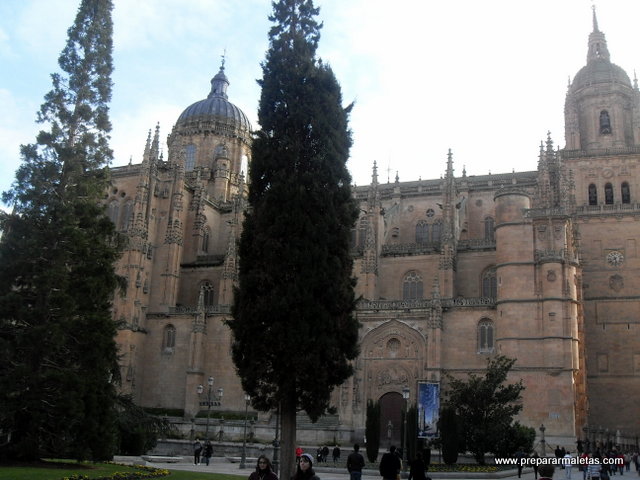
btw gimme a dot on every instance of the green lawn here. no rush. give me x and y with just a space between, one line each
59 470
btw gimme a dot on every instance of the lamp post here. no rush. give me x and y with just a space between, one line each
247 399
217 400
544 450
405 395
276 443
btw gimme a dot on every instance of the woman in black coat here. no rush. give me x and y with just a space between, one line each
305 469
264 470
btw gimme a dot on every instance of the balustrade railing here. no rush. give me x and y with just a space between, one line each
608 209
562 255
402 249
476 244
424 303
192 310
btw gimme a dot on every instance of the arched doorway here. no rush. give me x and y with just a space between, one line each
391 405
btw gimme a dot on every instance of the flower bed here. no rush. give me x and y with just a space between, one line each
147 472
464 467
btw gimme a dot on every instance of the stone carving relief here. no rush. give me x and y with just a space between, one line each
616 283
394 354
392 376
551 275
542 233
557 232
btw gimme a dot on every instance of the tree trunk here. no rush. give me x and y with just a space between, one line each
288 444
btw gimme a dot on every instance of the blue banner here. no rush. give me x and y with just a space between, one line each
428 409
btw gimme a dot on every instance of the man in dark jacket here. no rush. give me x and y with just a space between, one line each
418 469
355 463
390 464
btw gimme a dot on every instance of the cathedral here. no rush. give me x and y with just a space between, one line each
541 266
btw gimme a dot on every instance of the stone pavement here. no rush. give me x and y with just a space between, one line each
222 465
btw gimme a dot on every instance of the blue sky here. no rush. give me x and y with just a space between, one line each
484 78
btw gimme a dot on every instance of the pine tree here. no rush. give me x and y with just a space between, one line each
294 331
372 430
485 406
449 430
58 250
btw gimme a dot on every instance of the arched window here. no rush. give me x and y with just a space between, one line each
436 231
113 211
489 284
608 194
205 240
354 238
486 336
489 229
221 151
189 158
412 286
209 294
605 123
625 193
422 232
127 212
593 195
244 165
169 338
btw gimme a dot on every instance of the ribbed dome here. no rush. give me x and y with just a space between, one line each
216 107
599 68
600 71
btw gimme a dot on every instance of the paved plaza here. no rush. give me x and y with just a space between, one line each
222 465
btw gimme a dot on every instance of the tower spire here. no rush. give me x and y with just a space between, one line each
597 43
220 82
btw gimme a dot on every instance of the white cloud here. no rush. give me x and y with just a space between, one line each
486 79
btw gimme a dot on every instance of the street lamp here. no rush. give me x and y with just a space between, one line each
405 395
211 400
542 429
276 443
247 399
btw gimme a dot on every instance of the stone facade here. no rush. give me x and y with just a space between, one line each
542 266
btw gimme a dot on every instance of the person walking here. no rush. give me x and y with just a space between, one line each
418 468
264 470
593 469
304 470
208 451
534 463
197 450
355 463
336 454
567 462
325 453
390 464
520 456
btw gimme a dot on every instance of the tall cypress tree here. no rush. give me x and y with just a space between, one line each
294 331
58 249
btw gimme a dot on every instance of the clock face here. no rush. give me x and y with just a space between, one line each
615 259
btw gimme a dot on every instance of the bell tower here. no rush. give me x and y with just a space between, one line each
602 107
